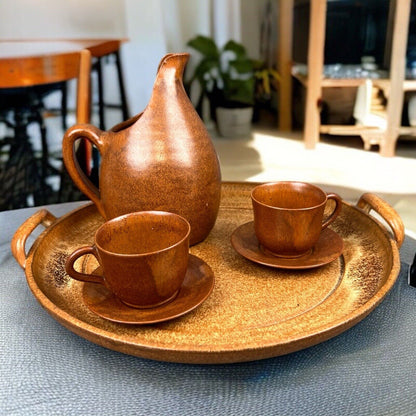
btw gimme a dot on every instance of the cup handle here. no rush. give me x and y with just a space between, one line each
338 205
95 136
83 277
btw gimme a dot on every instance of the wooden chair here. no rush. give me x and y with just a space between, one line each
20 82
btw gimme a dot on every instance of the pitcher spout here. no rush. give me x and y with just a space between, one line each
173 63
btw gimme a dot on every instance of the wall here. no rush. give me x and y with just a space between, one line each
141 55
49 19
153 27
182 19
259 29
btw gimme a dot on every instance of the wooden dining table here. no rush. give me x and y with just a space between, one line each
32 47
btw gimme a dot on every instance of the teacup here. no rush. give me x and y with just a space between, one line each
289 216
143 257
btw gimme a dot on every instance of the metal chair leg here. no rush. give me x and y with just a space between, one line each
101 104
124 106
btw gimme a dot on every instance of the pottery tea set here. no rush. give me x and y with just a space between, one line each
159 193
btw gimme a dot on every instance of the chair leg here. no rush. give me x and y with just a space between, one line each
17 179
100 93
45 147
124 106
64 105
23 161
94 177
46 169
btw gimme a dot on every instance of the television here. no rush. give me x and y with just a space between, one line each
354 28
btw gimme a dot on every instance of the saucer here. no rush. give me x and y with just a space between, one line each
328 248
196 287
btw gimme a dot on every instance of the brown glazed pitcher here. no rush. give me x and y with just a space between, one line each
162 159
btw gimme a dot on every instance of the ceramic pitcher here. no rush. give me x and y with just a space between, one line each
162 159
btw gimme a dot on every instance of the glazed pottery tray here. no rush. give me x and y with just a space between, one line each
254 311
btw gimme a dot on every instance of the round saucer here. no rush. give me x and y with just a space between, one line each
196 287
328 248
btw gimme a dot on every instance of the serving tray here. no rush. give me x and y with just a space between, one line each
254 311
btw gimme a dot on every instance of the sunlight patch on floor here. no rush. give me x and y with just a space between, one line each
267 157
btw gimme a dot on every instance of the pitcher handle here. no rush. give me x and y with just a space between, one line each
95 136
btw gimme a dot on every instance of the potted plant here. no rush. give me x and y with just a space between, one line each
227 78
266 86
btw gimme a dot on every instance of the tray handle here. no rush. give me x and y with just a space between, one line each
18 243
369 201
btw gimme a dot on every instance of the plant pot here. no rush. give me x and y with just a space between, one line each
234 122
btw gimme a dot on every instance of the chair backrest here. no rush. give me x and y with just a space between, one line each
37 70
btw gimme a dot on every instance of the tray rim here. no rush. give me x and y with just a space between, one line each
107 339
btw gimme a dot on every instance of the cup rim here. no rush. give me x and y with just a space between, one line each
140 213
270 184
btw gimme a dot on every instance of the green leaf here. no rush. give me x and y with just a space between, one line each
258 65
237 48
204 66
242 66
204 45
240 91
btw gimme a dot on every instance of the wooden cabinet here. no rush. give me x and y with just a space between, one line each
393 87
